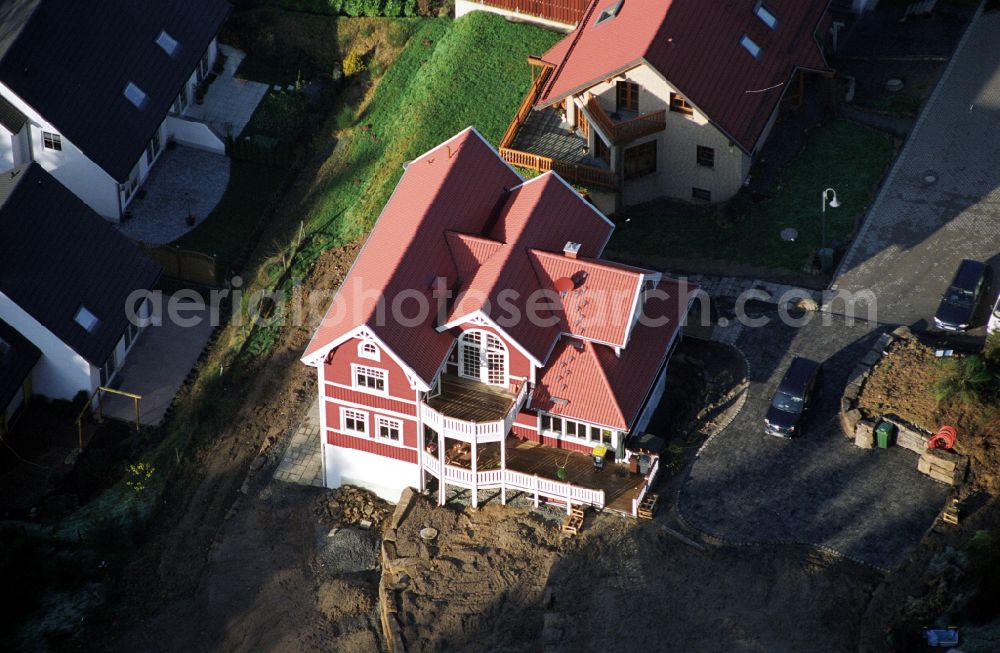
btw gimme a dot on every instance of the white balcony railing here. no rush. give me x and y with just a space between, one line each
460 429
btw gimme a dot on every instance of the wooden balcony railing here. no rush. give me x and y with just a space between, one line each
567 12
626 130
576 172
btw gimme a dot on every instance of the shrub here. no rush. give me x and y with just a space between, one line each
968 378
353 64
991 352
984 555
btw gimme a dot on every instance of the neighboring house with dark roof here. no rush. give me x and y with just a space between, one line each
18 358
667 97
452 392
66 276
93 91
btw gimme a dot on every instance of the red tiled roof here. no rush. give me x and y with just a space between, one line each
591 383
600 305
407 249
695 45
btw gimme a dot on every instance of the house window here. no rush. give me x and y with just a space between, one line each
388 429
368 350
680 105
354 421
706 156
552 424
601 436
110 367
575 429
483 356
601 150
135 95
766 16
608 13
131 184
640 160
85 318
52 141
751 46
182 100
701 194
203 66
153 148
369 379
167 43
627 96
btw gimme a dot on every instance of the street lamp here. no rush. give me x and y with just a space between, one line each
833 204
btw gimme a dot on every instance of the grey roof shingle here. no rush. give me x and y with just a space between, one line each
70 60
11 117
17 359
56 254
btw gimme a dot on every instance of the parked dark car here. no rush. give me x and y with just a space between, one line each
792 398
962 297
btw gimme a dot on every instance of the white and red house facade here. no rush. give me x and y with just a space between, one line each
479 311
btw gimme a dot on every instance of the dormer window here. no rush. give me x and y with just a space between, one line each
136 95
85 318
609 12
766 16
368 350
751 46
168 43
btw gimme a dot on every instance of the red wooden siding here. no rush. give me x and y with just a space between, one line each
562 11
409 426
338 369
372 446
375 402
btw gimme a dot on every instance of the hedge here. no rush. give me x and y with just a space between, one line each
389 8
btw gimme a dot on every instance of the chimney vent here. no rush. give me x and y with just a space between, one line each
571 250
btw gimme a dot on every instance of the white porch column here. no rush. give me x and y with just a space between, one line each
441 485
503 471
475 475
571 111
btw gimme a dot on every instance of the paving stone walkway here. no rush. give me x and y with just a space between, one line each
303 462
230 102
941 200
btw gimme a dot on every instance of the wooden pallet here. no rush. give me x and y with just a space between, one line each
573 523
647 507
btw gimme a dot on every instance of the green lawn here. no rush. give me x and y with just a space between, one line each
840 154
453 74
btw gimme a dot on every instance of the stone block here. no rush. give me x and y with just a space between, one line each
859 374
903 333
846 404
864 434
872 358
852 391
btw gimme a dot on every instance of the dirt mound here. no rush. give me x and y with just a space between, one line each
477 584
902 384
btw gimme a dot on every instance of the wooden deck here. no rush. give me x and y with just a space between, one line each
471 401
619 485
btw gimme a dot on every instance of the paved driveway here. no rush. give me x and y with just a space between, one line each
918 230
819 488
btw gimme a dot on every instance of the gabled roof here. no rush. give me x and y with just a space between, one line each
592 383
462 215
17 358
57 255
695 45
71 60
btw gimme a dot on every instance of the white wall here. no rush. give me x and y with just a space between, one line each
463 7
654 401
677 171
60 373
194 134
385 477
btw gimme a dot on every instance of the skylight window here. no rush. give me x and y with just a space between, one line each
609 12
751 46
86 319
168 43
136 95
766 16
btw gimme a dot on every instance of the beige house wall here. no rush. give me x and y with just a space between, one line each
677 170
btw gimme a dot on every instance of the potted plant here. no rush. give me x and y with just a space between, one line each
561 472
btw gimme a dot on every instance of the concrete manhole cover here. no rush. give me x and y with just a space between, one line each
428 534
930 177
789 235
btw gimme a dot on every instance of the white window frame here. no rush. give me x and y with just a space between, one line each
485 344
368 349
355 416
51 141
388 422
374 372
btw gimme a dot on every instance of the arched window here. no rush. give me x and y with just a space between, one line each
483 356
368 349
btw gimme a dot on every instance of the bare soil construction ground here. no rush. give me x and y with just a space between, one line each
504 579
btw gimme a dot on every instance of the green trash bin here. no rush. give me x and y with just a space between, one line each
884 434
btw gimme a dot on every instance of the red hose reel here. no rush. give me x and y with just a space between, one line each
943 439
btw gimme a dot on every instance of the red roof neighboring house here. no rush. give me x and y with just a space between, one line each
696 45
